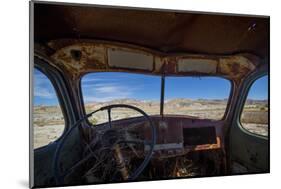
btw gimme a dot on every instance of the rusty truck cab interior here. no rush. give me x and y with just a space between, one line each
80 49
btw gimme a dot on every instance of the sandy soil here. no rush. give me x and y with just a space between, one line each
46 134
49 123
260 129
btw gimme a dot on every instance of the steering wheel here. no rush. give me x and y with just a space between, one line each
112 141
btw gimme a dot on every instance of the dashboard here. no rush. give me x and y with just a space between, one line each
178 135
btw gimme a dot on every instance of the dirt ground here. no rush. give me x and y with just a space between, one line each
46 134
48 125
48 122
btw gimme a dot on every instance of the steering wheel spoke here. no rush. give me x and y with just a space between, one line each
109 141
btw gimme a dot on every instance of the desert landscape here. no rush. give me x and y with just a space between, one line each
48 122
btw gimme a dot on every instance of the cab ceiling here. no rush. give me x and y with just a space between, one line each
164 31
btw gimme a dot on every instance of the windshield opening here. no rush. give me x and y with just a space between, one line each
201 97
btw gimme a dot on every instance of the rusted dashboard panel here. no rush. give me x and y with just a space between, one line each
178 136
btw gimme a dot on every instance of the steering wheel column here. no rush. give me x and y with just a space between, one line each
112 140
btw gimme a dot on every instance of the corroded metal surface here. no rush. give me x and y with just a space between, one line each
79 57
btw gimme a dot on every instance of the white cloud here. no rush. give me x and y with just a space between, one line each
43 87
106 92
108 89
44 93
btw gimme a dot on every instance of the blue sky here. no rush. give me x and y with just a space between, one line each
259 90
197 88
44 93
109 86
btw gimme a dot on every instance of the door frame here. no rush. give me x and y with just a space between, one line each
248 149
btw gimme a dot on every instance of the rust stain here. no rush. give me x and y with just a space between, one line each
171 65
235 67
78 57
159 62
208 146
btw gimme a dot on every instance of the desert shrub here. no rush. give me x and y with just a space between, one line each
93 120
259 117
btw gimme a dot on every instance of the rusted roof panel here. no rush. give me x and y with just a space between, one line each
164 31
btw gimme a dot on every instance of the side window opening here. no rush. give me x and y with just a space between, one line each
254 117
48 120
